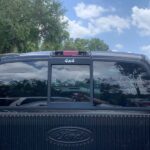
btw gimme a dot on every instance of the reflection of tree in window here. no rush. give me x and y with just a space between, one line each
23 80
133 72
71 81
121 83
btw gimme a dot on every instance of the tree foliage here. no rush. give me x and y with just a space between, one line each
93 44
30 25
25 25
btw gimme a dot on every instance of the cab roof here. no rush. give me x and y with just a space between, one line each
96 54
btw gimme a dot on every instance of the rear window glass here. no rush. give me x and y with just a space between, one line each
23 83
70 83
121 84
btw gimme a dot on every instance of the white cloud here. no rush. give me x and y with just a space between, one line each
109 23
96 26
119 46
88 11
141 19
28 71
76 29
96 21
145 48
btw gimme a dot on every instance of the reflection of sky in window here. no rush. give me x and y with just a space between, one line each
23 70
108 73
71 73
106 70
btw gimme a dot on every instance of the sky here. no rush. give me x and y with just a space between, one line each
122 24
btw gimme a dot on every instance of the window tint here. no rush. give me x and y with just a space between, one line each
121 84
70 83
23 83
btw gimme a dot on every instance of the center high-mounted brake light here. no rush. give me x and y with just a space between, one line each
70 53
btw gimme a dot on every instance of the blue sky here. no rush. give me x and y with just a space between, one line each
123 24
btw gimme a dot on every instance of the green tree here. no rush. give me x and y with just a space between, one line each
82 44
96 44
26 25
93 44
69 44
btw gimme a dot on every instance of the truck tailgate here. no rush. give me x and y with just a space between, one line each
75 130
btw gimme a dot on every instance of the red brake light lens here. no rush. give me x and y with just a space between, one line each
70 53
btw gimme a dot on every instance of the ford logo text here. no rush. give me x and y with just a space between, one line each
70 135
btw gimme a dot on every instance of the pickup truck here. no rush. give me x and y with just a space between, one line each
74 100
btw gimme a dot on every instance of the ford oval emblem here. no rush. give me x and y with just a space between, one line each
70 135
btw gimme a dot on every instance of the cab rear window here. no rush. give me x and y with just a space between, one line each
70 83
115 84
121 84
23 83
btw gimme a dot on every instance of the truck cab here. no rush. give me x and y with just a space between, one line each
69 100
